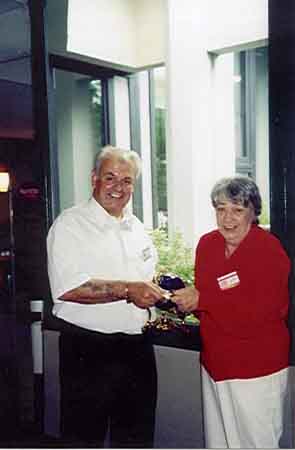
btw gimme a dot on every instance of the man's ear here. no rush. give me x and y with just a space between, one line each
93 178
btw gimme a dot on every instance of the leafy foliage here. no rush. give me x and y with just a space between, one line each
175 257
97 113
264 216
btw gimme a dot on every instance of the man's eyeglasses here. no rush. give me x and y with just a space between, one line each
111 180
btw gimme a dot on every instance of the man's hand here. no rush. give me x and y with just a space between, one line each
144 294
186 299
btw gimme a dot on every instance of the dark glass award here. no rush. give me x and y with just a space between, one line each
170 283
169 317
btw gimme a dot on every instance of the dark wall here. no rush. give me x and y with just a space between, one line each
282 131
23 159
23 278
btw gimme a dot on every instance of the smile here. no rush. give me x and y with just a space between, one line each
114 195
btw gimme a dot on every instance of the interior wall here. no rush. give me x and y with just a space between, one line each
126 32
234 23
200 131
104 30
151 29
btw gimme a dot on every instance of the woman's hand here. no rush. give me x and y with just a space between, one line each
186 299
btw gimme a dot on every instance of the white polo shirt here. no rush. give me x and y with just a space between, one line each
86 242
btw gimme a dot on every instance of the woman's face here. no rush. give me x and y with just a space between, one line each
233 221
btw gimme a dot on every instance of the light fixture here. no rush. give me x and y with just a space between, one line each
6 186
4 178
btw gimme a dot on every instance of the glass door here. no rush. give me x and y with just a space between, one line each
81 132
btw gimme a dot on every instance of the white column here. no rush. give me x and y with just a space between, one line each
223 123
121 112
194 141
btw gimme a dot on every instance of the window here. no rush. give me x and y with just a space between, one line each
251 119
158 125
80 133
97 113
244 100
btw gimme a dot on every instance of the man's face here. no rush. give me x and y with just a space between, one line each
114 185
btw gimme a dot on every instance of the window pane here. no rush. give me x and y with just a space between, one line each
262 129
80 134
97 113
240 106
159 102
251 119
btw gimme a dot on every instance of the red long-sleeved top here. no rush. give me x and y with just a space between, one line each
243 328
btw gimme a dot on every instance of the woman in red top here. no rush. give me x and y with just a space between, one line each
241 275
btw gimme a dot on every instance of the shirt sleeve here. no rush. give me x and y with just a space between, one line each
63 251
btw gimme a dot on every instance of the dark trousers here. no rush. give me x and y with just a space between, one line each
107 381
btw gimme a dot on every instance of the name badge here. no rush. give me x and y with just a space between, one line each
228 281
146 253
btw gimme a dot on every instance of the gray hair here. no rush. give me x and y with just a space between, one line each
110 151
241 190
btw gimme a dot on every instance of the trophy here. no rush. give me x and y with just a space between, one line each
169 317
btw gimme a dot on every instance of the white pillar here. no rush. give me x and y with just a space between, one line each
197 152
121 112
223 121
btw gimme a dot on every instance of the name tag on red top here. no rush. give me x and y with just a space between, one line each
228 281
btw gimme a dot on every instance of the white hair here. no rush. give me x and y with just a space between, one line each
110 151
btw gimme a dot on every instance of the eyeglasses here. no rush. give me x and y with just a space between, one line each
111 181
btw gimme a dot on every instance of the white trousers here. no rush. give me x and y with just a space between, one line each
244 413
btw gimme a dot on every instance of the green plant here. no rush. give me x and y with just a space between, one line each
264 216
175 257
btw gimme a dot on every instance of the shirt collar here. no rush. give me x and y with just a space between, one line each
105 220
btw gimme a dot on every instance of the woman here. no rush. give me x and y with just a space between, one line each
241 274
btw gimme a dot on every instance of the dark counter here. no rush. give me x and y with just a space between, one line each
187 340
177 338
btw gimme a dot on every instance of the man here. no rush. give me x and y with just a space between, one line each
101 263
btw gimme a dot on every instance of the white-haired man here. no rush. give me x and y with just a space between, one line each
101 263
